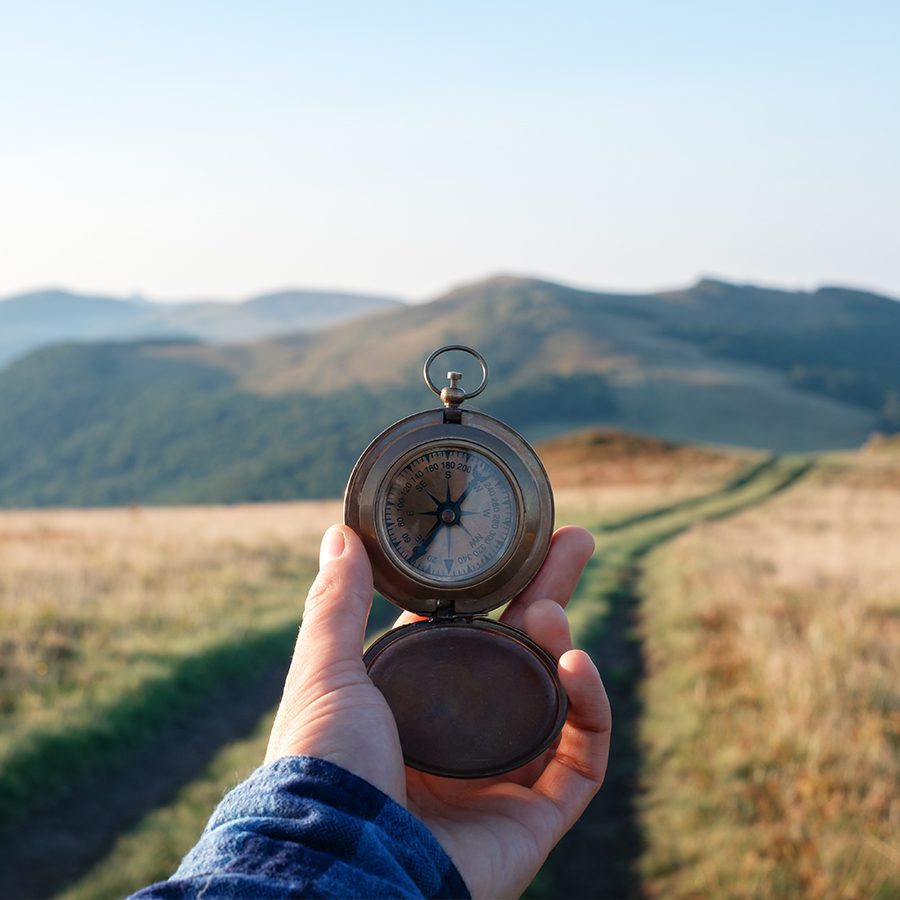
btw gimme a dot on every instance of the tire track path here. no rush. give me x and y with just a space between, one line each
599 857
77 829
58 837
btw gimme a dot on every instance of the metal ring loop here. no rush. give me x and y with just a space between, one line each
484 369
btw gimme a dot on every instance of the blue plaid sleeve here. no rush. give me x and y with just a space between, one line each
303 827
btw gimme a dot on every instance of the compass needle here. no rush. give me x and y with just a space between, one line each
422 549
417 476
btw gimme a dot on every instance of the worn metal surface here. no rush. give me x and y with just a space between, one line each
484 589
471 699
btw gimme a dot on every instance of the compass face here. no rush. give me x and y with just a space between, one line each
449 514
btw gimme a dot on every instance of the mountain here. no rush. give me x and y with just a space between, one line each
28 321
178 421
805 370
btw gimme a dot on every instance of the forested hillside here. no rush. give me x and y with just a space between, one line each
171 422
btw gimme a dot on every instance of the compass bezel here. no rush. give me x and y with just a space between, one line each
503 580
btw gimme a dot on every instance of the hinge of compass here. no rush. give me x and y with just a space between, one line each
443 609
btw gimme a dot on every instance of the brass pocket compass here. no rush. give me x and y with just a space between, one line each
456 513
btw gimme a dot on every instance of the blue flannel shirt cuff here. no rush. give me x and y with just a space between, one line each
304 827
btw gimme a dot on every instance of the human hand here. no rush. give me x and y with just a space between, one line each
498 831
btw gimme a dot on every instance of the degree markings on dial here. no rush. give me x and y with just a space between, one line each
449 473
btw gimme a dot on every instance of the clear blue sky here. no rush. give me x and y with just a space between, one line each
217 149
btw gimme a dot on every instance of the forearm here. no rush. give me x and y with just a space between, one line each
302 827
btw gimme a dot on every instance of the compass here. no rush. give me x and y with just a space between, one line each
456 513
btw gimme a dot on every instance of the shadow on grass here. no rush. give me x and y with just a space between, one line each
66 797
79 792
597 858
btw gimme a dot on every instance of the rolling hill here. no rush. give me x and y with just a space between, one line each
804 370
29 321
179 421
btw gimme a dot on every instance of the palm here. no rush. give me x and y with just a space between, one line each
490 828
497 830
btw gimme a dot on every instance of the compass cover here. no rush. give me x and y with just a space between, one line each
471 698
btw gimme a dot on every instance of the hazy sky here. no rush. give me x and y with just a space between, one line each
215 149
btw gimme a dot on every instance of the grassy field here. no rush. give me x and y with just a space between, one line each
602 476
110 619
772 697
153 848
742 610
604 848
144 855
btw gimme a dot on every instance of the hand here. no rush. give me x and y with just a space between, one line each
498 831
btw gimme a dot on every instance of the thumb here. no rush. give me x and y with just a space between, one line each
337 606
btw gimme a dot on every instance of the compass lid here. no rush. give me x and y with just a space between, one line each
444 681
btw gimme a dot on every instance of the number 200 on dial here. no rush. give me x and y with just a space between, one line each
449 514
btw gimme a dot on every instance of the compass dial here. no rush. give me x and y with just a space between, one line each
450 514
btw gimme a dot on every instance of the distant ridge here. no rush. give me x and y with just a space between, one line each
285 417
38 318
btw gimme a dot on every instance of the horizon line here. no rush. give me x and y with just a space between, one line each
138 296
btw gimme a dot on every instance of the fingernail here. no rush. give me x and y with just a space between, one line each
332 545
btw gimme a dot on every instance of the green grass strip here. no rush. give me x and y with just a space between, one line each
153 848
48 762
610 574
742 479
600 617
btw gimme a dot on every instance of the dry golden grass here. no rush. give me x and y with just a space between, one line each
602 474
773 699
98 606
589 505
249 523
85 592
94 603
